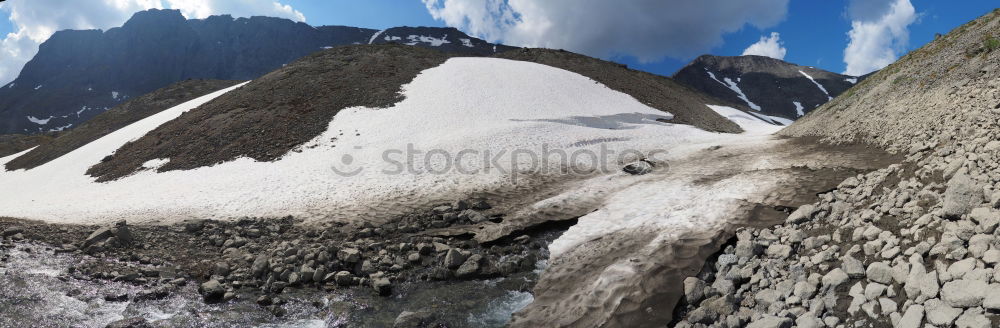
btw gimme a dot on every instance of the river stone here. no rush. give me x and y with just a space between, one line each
470 267
454 259
344 278
382 285
135 322
964 293
417 319
212 291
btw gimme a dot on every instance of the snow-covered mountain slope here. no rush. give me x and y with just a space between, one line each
764 84
485 105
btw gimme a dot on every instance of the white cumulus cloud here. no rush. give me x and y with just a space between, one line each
768 46
879 31
35 20
646 29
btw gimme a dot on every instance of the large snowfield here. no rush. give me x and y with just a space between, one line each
467 104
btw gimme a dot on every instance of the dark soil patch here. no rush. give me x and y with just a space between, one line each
11 144
119 117
687 106
277 112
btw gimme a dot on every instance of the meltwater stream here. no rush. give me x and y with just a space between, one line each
37 291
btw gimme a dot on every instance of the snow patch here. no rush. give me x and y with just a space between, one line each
11 85
154 164
40 121
799 108
434 42
733 86
114 95
375 36
851 80
466 42
61 128
392 38
749 122
818 85
38 87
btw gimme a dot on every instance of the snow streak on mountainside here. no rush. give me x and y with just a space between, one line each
768 85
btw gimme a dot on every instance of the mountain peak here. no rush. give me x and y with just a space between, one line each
155 17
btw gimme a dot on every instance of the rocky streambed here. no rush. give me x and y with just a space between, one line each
274 271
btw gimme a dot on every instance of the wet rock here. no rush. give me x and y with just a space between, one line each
639 168
116 297
264 300
344 278
481 205
470 267
419 319
260 265
152 294
454 259
212 291
135 322
382 286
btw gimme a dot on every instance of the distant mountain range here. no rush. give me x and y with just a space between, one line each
771 86
79 74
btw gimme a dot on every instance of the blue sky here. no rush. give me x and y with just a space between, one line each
813 33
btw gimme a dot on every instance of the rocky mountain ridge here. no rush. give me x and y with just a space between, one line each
768 85
79 74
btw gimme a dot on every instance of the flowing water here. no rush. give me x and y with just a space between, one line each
36 291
